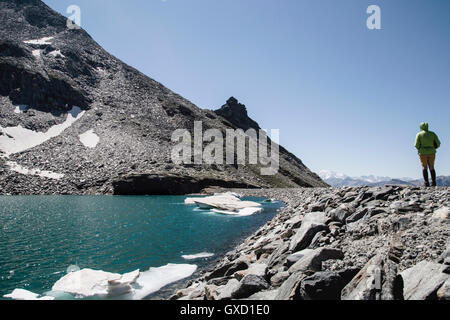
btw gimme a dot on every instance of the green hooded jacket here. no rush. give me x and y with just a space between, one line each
426 141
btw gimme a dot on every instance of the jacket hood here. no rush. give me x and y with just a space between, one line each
424 126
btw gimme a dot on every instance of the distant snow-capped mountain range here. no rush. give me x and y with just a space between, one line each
336 179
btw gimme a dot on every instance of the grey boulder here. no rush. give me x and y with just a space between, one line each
444 292
325 285
312 223
250 285
423 280
378 280
312 259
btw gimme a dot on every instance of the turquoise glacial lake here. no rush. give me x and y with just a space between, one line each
42 236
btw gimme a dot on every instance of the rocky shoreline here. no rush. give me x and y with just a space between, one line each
379 243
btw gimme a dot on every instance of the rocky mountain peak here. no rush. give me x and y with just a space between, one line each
236 114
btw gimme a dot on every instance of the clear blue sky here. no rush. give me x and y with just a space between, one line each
345 98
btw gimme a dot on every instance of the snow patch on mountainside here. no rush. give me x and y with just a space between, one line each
18 139
89 139
42 41
327 174
36 53
13 166
57 53
336 179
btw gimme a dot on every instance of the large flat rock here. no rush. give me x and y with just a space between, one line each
312 259
422 281
312 223
378 280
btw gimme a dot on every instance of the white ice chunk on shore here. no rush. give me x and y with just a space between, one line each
42 41
156 278
18 139
89 139
89 283
197 256
21 294
13 166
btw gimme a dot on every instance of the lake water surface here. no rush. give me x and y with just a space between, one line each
41 236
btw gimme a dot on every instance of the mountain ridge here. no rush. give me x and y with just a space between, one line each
47 70
341 180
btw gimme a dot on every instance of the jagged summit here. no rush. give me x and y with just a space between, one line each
76 120
236 113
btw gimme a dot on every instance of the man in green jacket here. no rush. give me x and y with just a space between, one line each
426 143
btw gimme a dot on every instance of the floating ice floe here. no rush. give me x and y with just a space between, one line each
134 285
229 193
88 283
241 212
13 166
42 41
21 294
89 139
18 139
225 202
156 278
201 255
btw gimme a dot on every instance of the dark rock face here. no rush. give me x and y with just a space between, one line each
168 184
50 68
25 85
236 114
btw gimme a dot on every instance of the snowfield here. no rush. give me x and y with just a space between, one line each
18 139
37 53
57 53
13 166
42 41
89 139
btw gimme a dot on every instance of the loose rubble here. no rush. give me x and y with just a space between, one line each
379 243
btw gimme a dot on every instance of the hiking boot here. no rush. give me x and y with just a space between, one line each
433 178
425 177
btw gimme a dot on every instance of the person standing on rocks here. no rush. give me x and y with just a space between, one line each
426 143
